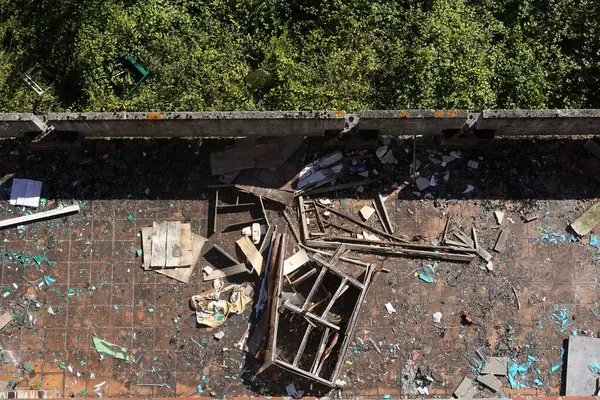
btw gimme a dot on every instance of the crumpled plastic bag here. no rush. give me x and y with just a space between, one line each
210 311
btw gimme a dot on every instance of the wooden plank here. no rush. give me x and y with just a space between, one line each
147 247
25 219
252 254
309 329
304 277
501 242
338 253
183 274
303 223
314 288
5 319
463 237
320 351
279 196
388 221
173 248
225 272
379 217
393 251
275 295
159 244
292 226
187 253
587 221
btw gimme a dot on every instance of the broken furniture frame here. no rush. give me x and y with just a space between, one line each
237 206
136 71
331 331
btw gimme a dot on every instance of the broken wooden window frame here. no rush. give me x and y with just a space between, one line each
330 329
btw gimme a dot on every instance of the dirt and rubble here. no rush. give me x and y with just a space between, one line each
426 321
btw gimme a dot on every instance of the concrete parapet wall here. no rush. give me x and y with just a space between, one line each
17 125
540 122
412 122
303 123
200 124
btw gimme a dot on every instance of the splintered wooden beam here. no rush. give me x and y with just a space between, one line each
393 251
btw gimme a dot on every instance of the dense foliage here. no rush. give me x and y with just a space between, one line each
329 54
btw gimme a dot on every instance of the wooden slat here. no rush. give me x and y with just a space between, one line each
587 221
298 356
147 247
159 244
57 212
310 315
225 272
173 254
392 251
252 254
314 288
501 242
5 319
187 254
303 223
463 237
183 274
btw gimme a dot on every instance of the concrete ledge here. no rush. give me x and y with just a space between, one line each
17 125
303 123
540 122
412 122
200 124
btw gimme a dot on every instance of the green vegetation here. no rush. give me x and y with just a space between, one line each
329 54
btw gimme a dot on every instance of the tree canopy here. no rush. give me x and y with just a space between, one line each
329 54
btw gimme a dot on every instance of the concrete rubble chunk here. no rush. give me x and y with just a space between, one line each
465 388
366 212
495 366
499 217
490 381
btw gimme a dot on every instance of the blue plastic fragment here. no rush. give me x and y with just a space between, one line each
49 280
594 241
574 332
199 388
537 382
386 396
555 367
425 277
